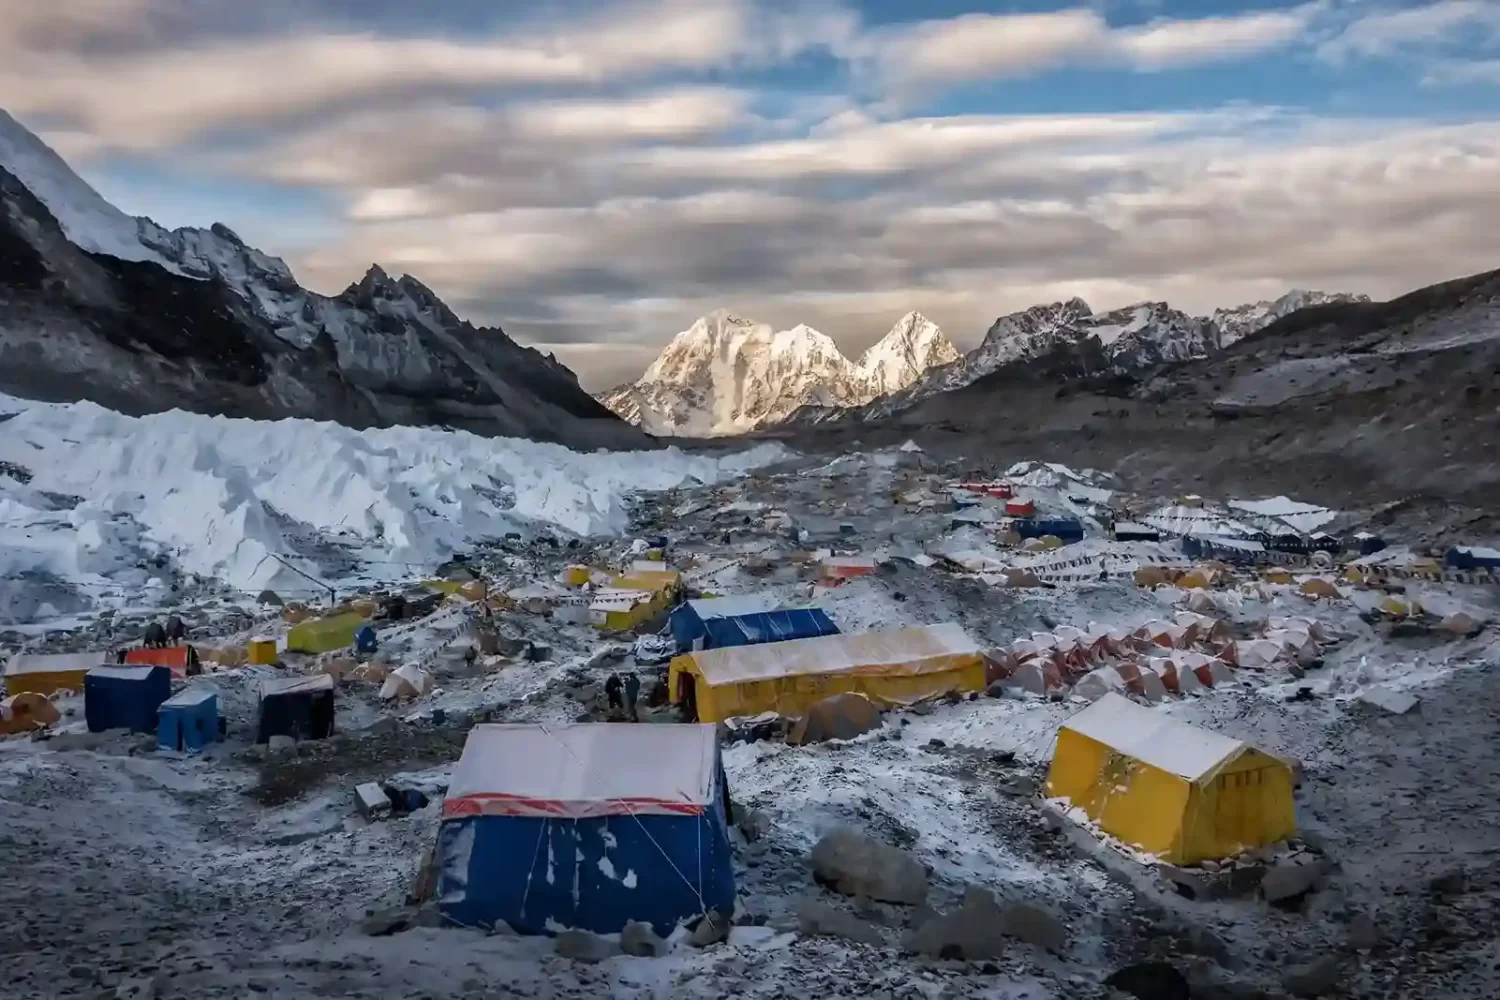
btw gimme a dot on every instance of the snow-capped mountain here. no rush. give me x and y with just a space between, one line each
725 374
1130 339
1239 322
99 305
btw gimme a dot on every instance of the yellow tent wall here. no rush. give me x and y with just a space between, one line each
320 635
1243 803
45 683
657 582
863 663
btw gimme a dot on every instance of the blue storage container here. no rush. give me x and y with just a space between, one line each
189 720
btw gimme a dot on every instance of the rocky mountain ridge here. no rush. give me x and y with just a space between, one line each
99 305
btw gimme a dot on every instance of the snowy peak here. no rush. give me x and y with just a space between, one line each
86 218
726 374
914 345
1239 322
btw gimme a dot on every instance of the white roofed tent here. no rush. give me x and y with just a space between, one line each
584 770
1154 738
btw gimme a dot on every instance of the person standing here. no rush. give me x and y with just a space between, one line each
632 692
612 688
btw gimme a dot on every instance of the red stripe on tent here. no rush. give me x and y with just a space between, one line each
500 804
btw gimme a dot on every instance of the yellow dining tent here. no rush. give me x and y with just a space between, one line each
322 635
48 673
1174 790
894 667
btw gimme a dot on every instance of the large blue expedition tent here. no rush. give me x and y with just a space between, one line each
744 621
124 697
588 826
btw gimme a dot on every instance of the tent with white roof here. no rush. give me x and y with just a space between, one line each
588 825
1174 790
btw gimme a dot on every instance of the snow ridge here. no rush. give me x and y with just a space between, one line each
726 374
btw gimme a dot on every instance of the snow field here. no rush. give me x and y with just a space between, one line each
221 497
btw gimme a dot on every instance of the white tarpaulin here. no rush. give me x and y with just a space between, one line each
831 654
583 770
1153 737
735 605
46 663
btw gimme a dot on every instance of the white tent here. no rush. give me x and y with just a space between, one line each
584 770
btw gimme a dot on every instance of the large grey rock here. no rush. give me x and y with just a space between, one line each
582 946
1284 881
1035 926
754 824
713 928
281 744
640 940
1314 979
818 919
974 931
855 865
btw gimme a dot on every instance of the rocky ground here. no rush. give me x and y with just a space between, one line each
240 872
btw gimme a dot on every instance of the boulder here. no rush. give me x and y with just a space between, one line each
855 865
582 946
973 932
754 824
1287 881
640 940
839 717
1317 978
1035 926
710 930
818 919
1150 981
269 598
371 801
281 744
1389 699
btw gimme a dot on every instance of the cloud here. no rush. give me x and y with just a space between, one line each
989 46
148 100
1392 31
1462 72
1203 214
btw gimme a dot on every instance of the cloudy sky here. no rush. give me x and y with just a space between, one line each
592 174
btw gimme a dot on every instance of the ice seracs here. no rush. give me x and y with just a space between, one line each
726 374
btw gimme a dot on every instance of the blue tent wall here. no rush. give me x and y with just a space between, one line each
1067 529
1461 558
527 870
125 702
748 630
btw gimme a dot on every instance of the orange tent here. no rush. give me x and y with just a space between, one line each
181 660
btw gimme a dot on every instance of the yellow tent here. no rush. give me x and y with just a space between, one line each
1276 575
898 666
48 673
1176 791
1318 587
321 635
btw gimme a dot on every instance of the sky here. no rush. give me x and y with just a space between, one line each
592 175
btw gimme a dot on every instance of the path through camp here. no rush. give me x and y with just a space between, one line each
246 869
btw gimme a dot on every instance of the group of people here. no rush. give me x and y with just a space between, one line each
623 694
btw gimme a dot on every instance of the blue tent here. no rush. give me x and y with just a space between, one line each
1368 544
744 621
1472 557
189 720
1066 528
365 640
125 697
587 826
1235 551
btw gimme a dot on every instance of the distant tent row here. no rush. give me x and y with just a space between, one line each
1235 551
1068 529
1470 557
